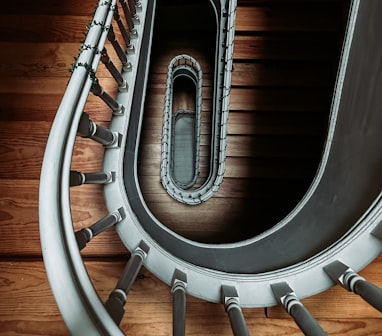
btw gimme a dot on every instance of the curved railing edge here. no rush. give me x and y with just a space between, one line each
221 106
77 300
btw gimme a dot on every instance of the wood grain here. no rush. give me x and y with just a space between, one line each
19 229
284 69
28 307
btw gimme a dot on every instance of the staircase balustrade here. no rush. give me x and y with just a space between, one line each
61 245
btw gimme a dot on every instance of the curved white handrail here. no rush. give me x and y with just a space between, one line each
77 299
82 310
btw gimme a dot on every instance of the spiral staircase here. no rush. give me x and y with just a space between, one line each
331 233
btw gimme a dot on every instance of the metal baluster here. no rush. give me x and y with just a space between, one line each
86 235
179 286
118 296
118 109
353 282
118 49
232 307
77 178
133 10
288 299
138 6
132 3
129 18
122 84
89 129
124 32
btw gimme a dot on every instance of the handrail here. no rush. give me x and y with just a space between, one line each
79 303
183 63
221 98
154 245
252 262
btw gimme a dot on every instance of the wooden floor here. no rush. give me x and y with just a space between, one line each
283 75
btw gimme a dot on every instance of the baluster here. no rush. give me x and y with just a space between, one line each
89 129
86 235
118 296
288 299
124 32
118 49
179 286
122 84
138 6
77 178
129 19
135 6
235 314
353 282
118 109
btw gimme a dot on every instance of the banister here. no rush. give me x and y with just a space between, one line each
214 272
79 303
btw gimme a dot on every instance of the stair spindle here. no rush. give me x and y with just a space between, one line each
178 290
138 6
89 129
353 282
232 306
124 32
134 7
96 89
86 235
129 18
117 298
78 178
288 299
118 49
105 59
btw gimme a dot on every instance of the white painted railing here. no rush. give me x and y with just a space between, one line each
232 274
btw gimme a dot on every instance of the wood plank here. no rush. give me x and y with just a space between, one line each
43 107
272 168
48 7
37 60
238 187
220 220
258 146
33 85
29 107
244 167
23 147
45 85
27 305
251 123
263 73
20 223
352 327
33 81
282 99
287 18
43 28
276 123
284 74
148 309
45 59
297 48
263 99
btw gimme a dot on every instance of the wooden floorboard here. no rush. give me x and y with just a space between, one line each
28 307
282 78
